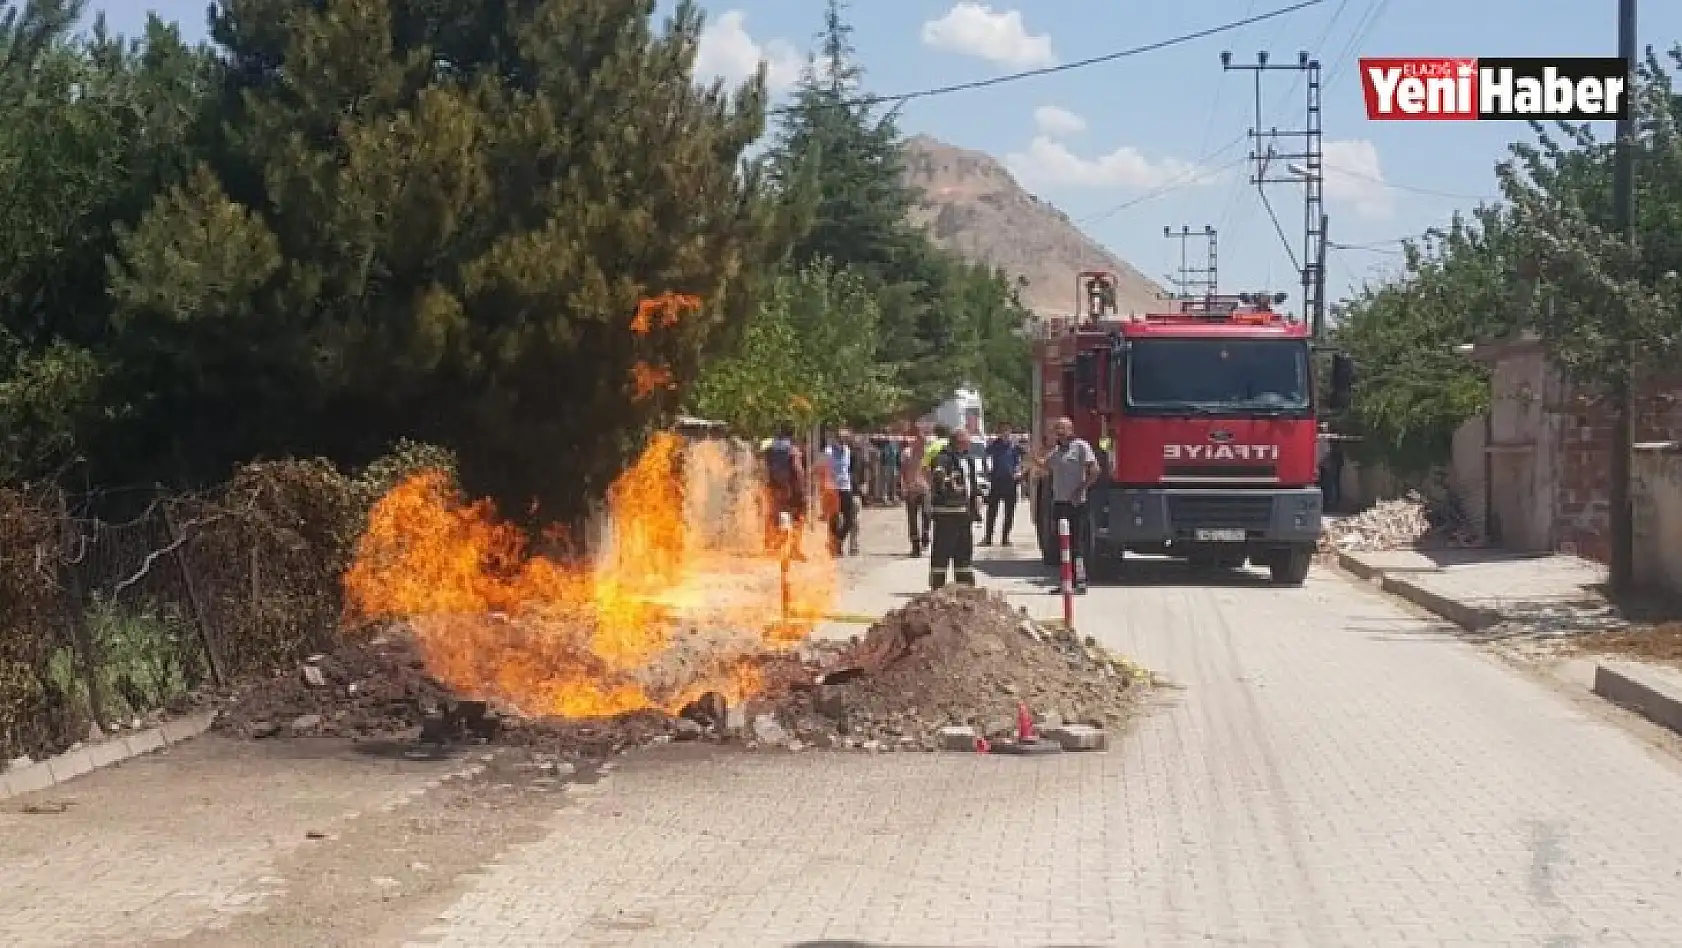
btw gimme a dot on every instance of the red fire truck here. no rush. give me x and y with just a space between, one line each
1204 420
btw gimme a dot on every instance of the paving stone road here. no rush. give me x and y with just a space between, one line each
1335 772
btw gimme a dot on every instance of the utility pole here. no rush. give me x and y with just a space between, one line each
1189 277
1303 159
1621 516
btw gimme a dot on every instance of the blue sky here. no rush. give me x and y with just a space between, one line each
1128 147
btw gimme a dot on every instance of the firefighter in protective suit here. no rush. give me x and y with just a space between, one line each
954 502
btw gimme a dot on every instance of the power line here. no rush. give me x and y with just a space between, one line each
1356 37
1297 79
1367 248
1414 189
1179 40
1207 174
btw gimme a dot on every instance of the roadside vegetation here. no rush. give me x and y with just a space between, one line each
1547 259
244 283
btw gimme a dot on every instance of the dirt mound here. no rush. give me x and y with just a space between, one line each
960 656
379 688
955 657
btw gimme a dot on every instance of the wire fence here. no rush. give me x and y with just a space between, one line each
110 620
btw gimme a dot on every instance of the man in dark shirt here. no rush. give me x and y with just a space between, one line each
1004 461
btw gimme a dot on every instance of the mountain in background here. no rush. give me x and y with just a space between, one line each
972 206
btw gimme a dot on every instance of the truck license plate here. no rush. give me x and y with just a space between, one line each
1220 536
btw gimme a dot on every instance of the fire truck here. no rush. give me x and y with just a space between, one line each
1204 421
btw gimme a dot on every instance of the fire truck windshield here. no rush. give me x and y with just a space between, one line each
1247 376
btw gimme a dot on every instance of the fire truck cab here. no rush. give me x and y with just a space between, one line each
1204 421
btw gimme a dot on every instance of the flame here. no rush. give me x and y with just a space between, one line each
667 308
679 600
647 379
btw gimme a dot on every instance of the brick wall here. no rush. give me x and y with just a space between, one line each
1582 447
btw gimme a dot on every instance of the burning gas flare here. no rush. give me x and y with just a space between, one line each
665 309
647 379
679 599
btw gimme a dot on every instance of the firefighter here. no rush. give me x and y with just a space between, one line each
954 497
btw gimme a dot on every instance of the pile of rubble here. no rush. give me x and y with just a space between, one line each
955 658
380 690
1406 523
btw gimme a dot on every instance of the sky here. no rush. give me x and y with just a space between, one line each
1156 140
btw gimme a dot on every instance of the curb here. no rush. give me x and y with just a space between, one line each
1653 693
1469 618
69 765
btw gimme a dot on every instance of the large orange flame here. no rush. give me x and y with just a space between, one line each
676 602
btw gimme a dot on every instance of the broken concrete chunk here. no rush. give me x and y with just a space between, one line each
314 677
684 729
1079 737
304 723
768 730
957 738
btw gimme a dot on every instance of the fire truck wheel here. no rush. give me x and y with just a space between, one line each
1290 568
1105 564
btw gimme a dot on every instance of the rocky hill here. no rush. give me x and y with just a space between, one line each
971 205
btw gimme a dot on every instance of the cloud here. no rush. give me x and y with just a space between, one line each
1048 162
973 29
1058 122
1355 177
727 51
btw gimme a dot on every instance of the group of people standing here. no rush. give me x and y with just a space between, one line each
945 488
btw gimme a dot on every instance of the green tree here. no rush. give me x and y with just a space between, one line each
1456 286
1613 305
439 218
808 355
91 129
837 162
1607 307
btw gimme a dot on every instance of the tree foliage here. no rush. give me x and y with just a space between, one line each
342 223
1415 388
1549 259
351 221
1609 304
837 164
807 355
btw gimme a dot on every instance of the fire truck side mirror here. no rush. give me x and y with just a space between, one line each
1343 381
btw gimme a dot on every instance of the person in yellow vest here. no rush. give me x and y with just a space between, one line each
942 435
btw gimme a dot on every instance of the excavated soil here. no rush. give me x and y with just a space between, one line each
960 656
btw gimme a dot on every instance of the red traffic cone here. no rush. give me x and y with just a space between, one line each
1025 724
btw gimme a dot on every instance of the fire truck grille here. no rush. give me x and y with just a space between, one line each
1189 511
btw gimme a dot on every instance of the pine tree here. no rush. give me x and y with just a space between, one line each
468 201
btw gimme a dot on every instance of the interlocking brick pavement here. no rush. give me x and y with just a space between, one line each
1334 773
182 840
